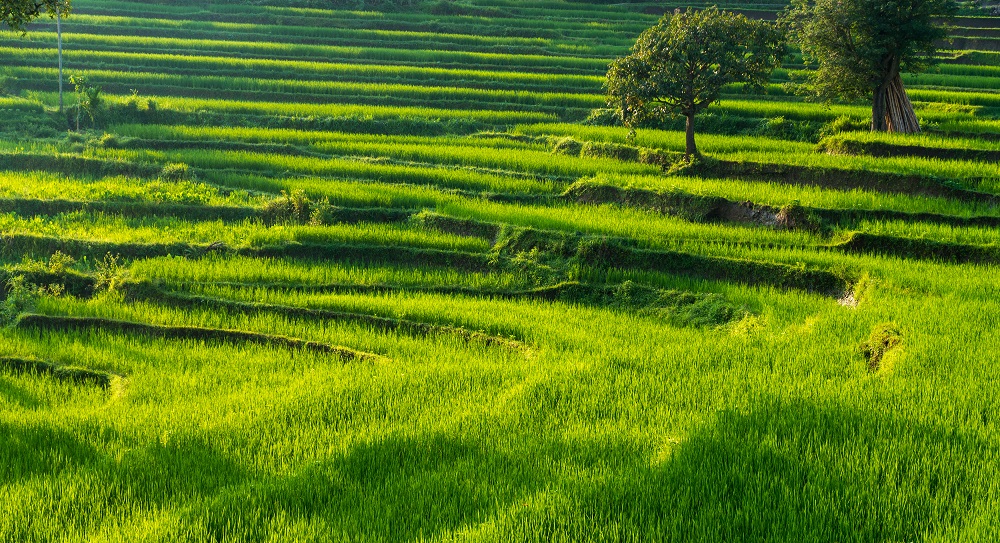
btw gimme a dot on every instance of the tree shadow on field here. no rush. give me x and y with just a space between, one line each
143 474
801 472
12 393
779 472
396 489
153 471
30 450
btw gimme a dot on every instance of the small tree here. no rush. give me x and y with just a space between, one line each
862 46
88 99
680 66
15 14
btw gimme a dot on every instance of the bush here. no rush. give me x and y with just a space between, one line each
20 298
567 146
602 117
176 171
617 151
782 128
110 273
109 141
323 213
89 103
57 264
842 124
884 338
294 207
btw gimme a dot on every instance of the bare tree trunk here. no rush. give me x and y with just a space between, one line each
59 40
891 107
900 114
879 121
690 149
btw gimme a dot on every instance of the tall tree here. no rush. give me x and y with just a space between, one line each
861 48
15 14
680 66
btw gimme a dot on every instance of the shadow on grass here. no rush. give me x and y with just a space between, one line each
779 472
793 472
12 393
396 489
785 472
83 486
30 450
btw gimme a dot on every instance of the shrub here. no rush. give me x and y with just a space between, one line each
20 298
175 171
602 117
783 128
617 151
884 338
323 213
110 273
89 102
567 146
109 141
294 207
842 124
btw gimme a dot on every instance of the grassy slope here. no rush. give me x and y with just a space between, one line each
724 410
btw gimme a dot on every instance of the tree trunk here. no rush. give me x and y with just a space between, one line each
891 107
879 120
60 46
690 148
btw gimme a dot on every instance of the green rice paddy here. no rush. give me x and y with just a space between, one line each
391 274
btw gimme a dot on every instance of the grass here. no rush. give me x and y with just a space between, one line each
47 186
381 93
534 159
779 195
82 225
349 168
190 105
760 150
398 201
303 70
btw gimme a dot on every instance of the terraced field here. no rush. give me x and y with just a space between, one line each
394 275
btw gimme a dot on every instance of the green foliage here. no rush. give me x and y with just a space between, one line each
19 297
15 14
795 217
175 172
680 66
110 273
945 251
883 339
782 128
841 124
857 45
57 264
88 101
294 207
567 146
567 345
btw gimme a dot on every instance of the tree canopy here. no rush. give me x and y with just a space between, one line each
15 14
680 66
861 47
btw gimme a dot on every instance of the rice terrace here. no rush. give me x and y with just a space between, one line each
469 270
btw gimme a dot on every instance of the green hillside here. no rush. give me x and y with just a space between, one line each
376 271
